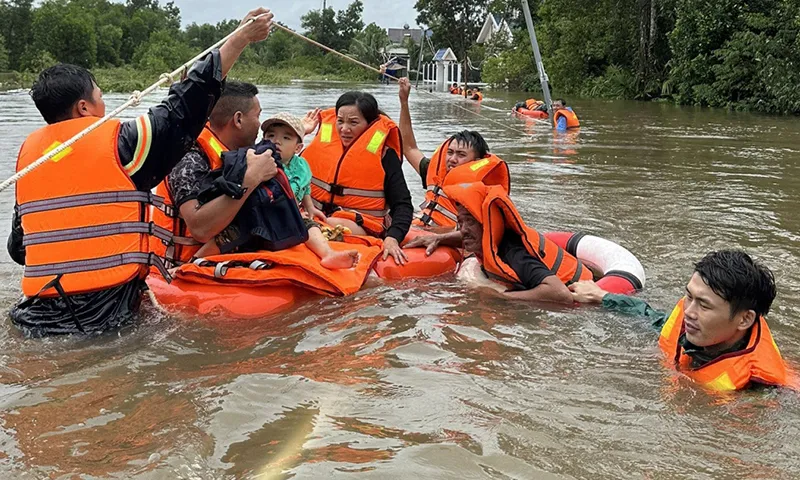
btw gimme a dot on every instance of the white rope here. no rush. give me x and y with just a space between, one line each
156 304
135 98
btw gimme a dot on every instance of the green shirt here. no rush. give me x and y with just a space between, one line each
634 306
299 174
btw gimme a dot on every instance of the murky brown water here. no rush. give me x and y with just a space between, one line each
425 379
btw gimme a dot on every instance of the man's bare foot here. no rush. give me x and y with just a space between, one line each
341 260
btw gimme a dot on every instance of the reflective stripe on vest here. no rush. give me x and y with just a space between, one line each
82 233
342 191
89 199
373 213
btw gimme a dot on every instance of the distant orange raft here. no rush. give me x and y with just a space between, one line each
253 285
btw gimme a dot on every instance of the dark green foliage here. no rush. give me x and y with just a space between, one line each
3 55
722 53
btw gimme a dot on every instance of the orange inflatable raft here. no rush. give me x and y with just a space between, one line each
253 285
531 113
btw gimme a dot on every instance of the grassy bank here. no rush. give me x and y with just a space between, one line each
127 79
15 80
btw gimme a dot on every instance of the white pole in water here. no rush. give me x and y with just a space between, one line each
538 57
419 62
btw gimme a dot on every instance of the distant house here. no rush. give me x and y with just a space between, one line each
398 36
397 50
491 26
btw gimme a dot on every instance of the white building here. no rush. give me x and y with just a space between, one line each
491 27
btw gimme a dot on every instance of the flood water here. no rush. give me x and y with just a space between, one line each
424 379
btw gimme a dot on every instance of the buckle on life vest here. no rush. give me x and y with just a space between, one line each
170 211
337 190
426 219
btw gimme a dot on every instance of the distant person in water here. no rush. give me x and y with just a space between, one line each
563 116
717 334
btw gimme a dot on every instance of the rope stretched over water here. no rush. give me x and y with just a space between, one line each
134 100
370 67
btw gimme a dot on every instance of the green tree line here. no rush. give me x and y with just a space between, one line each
720 53
126 43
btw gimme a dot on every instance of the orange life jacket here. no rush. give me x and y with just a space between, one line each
760 362
352 180
477 96
183 246
440 211
492 207
572 119
532 103
86 226
297 266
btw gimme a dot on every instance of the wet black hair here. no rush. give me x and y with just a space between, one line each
59 88
474 140
737 278
365 103
562 101
235 97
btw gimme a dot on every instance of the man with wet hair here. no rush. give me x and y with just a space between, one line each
462 158
564 117
718 333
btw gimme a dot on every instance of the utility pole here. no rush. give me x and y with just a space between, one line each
538 57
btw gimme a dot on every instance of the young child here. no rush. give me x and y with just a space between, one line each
286 132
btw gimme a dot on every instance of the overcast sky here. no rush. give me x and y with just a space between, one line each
386 13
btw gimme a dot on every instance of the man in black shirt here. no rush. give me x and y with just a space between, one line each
148 148
536 281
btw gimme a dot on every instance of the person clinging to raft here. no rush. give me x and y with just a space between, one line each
81 223
462 158
717 334
529 266
357 176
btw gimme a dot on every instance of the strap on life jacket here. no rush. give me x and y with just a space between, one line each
96 231
430 206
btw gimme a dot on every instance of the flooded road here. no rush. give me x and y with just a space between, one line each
424 379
